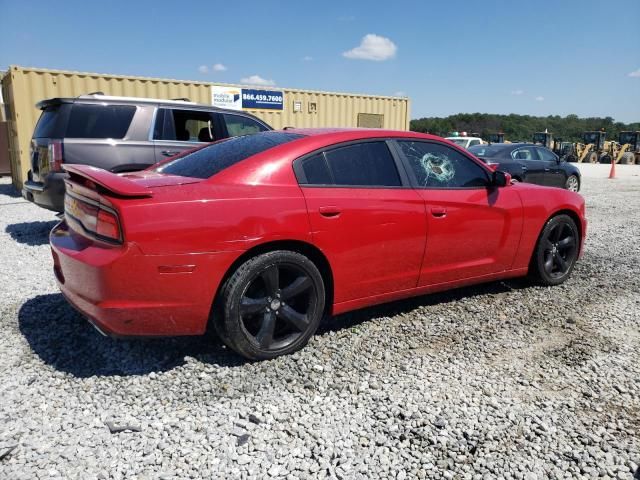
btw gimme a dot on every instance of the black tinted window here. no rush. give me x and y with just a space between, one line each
363 164
212 159
439 166
47 124
239 125
316 171
99 121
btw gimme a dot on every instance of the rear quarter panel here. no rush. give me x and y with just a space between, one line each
205 218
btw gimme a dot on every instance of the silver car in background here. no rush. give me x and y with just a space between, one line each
120 134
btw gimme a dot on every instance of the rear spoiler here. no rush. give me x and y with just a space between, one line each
116 184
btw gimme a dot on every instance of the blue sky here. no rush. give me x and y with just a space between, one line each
530 57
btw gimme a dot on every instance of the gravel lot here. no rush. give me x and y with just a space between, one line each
500 380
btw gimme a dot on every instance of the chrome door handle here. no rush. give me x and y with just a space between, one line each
170 153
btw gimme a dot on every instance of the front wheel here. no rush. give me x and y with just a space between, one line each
556 252
271 305
572 184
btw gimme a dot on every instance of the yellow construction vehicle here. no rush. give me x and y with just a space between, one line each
544 138
629 151
593 148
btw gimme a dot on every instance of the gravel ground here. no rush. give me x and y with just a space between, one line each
502 380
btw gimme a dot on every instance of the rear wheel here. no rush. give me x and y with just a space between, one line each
556 252
592 157
572 184
628 158
271 305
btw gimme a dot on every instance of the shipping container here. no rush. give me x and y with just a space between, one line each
23 87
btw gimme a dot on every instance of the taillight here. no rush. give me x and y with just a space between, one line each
56 155
107 225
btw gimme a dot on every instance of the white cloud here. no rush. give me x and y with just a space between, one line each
635 73
540 98
219 67
203 69
373 47
257 80
307 58
517 92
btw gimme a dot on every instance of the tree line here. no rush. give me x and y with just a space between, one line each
520 127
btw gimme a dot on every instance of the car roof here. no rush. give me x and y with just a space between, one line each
100 98
346 134
462 138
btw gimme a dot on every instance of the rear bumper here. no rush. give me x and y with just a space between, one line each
48 194
125 293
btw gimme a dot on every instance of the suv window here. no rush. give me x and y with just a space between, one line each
240 125
184 125
525 153
546 155
211 159
474 142
439 166
367 164
99 121
47 126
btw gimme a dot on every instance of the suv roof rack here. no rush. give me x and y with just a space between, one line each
116 98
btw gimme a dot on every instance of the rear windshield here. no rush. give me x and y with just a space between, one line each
82 120
208 161
46 126
486 150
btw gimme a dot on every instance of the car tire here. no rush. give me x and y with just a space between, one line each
572 184
628 158
271 305
556 251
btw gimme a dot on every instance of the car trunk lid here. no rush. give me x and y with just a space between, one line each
90 205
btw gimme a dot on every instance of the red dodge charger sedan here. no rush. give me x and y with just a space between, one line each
263 235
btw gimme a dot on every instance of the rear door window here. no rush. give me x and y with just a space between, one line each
367 164
186 126
99 121
241 125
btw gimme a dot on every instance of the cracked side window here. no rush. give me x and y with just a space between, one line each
439 166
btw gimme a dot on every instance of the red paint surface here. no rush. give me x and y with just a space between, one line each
183 235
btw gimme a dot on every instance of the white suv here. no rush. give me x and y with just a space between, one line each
466 142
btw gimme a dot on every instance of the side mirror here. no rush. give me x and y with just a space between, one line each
500 179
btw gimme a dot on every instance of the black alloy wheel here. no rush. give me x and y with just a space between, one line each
556 252
273 303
